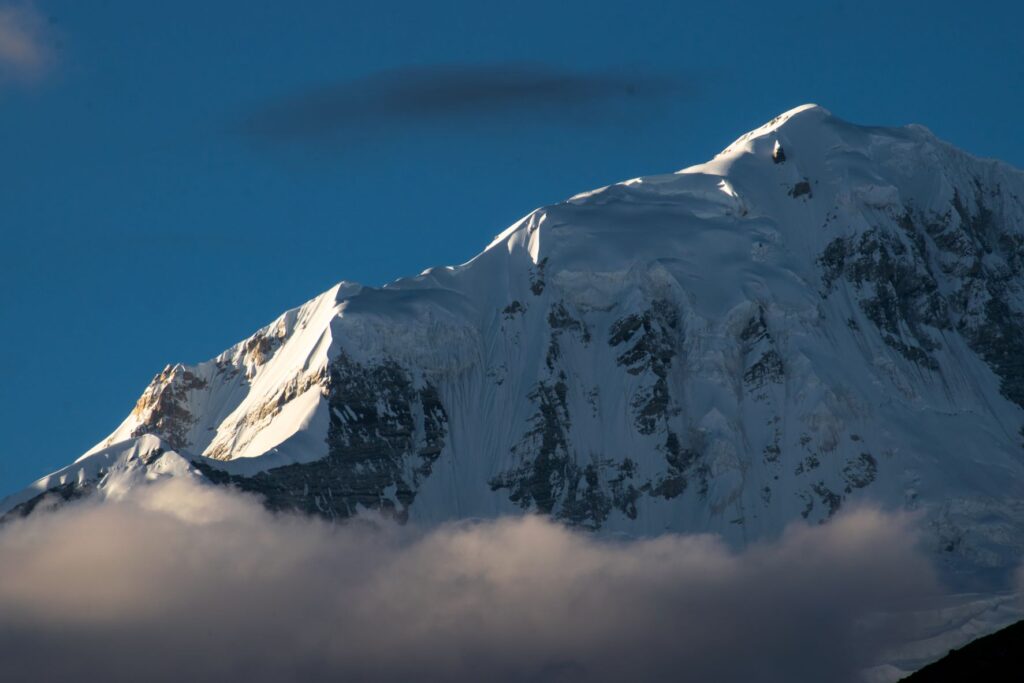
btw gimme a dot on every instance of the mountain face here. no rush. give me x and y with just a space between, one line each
822 314
995 658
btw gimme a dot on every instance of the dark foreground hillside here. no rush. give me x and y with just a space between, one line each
992 659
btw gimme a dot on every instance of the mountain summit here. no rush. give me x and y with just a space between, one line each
822 314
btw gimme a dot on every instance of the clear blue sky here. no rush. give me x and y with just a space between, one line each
174 175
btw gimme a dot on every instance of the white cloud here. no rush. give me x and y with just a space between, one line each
184 582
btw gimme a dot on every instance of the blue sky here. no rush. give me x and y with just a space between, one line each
174 175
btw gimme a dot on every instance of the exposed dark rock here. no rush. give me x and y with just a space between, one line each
808 504
778 154
860 472
542 479
513 309
802 188
757 344
767 369
537 277
899 292
561 320
829 498
551 477
161 408
896 290
383 439
809 463
654 336
756 329
551 480
681 462
996 333
56 495
260 347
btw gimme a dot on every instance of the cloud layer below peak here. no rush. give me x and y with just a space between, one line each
179 581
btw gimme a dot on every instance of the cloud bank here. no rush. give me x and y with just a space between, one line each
451 95
25 51
185 582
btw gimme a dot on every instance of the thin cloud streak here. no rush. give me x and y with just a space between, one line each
399 98
179 581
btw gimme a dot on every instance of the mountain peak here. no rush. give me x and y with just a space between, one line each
802 115
809 126
657 354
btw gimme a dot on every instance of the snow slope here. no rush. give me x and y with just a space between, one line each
823 313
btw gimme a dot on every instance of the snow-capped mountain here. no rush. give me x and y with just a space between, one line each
822 314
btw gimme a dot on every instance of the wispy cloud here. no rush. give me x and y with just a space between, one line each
25 47
182 582
452 94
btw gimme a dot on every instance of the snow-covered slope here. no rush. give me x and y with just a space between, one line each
821 314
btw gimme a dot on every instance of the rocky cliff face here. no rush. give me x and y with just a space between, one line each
823 313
